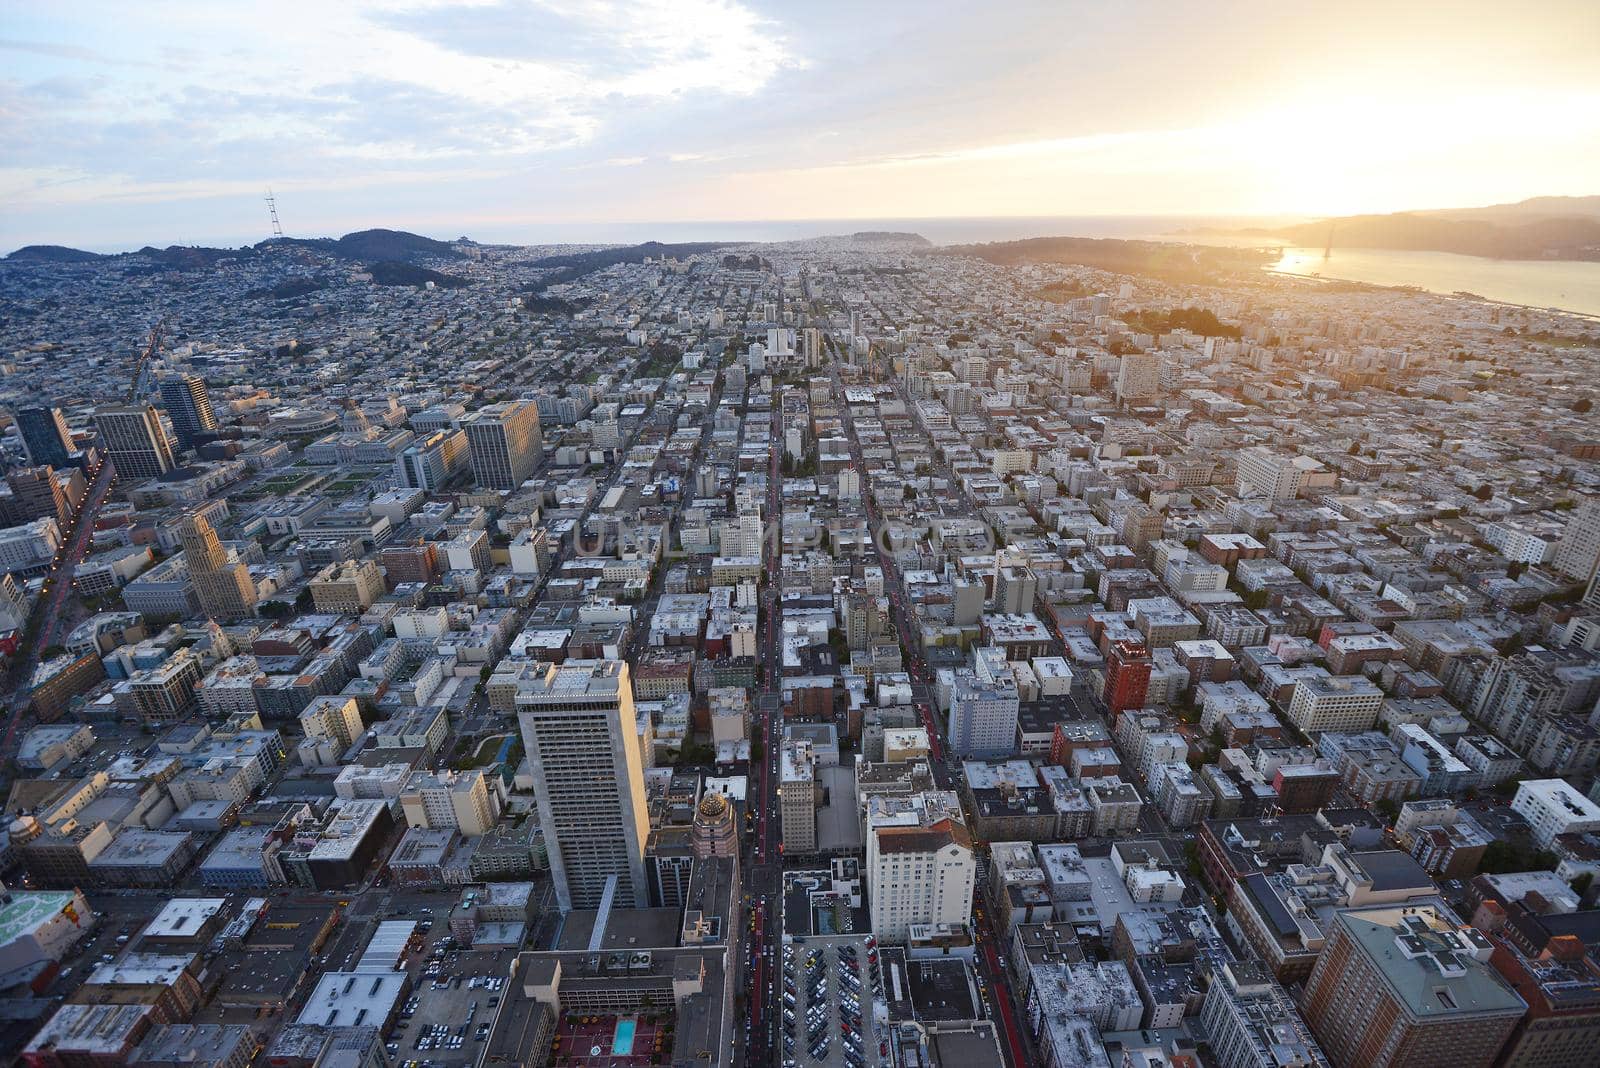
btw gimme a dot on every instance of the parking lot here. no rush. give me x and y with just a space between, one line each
456 992
831 1007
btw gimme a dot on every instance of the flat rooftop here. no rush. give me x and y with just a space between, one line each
183 917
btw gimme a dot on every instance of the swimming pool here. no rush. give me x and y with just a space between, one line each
622 1045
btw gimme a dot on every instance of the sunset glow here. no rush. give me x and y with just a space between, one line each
501 115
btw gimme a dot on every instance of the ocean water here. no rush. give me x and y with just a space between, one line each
943 231
1568 285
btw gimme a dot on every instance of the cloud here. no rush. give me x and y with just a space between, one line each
716 109
77 53
425 84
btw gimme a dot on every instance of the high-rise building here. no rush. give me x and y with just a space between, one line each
1335 703
1562 988
1406 986
742 534
504 443
45 436
811 346
349 586
797 797
582 739
1552 808
984 705
429 462
1578 554
1138 377
332 718
1262 472
465 801
135 440
29 547
1141 524
1251 1023
1127 676
1015 587
35 494
188 405
223 585
713 833
168 691
410 563
920 869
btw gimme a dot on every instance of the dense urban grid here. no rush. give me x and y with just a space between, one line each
840 653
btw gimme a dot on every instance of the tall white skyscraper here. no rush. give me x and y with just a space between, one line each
1138 377
1578 554
1271 474
920 866
984 706
581 736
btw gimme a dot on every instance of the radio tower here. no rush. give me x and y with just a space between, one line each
272 208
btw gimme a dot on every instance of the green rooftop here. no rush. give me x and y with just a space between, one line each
28 909
1428 961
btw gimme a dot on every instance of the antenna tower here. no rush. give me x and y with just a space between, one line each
272 209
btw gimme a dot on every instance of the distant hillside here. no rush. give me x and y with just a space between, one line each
53 254
395 273
375 246
890 237
1541 228
1156 259
191 257
607 257
1523 210
575 265
363 246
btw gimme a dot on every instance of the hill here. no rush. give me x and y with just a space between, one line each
189 257
573 265
1541 228
53 254
895 237
379 245
1523 210
374 246
1546 238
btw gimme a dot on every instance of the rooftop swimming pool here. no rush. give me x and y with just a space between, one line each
622 1045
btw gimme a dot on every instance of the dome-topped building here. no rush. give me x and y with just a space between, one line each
713 827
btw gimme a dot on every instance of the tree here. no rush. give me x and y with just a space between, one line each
1582 405
1484 492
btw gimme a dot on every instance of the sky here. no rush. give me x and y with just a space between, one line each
166 121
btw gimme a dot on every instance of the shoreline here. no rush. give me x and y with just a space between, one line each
1593 317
